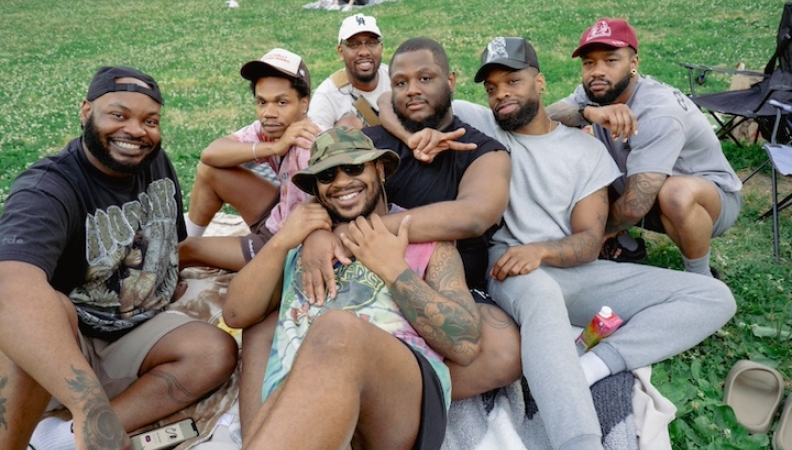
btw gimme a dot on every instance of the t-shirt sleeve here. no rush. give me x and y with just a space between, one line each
480 117
321 110
34 228
602 172
484 143
656 147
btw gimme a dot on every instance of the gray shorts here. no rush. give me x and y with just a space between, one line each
731 203
117 363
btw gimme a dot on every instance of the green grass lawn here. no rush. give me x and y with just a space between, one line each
195 49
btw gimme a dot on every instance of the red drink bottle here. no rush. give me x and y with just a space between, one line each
601 326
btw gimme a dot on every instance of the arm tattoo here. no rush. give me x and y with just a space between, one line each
638 197
101 430
566 114
441 314
583 245
3 382
573 250
495 317
447 275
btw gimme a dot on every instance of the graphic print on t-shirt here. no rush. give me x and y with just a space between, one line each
132 256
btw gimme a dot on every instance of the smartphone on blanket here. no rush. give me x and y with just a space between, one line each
165 437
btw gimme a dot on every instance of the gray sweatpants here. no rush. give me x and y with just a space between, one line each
665 312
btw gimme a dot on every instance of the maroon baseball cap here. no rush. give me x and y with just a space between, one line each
615 33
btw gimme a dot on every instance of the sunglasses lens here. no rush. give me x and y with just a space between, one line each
326 176
353 170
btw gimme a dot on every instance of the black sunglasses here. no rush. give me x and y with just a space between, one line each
328 175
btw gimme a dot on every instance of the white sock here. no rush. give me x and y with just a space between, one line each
192 228
594 367
53 434
698 265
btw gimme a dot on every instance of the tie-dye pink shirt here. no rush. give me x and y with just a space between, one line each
285 166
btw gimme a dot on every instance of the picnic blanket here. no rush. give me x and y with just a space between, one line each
633 414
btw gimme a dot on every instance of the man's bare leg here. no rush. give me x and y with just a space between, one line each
689 207
255 354
223 252
371 391
498 363
184 365
247 192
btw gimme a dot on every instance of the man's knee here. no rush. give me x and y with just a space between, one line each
211 349
675 198
725 305
500 346
681 194
204 174
336 334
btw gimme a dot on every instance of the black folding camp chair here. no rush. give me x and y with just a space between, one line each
781 161
731 108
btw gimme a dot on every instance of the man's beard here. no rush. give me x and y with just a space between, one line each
366 77
611 95
519 118
368 209
441 108
97 145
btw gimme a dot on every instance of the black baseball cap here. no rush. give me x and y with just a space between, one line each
512 52
104 81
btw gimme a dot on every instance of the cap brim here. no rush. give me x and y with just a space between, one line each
305 179
614 43
509 63
254 70
356 32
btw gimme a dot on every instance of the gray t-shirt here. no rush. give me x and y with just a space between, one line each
550 174
674 137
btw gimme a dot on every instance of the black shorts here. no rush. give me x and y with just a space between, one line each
252 243
434 416
482 296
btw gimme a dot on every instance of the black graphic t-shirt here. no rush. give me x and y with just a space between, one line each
109 244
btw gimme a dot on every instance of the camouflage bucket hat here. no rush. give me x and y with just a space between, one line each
340 146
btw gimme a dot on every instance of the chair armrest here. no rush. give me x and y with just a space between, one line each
722 70
704 69
782 106
781 156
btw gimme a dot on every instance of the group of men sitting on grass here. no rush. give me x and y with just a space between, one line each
415 249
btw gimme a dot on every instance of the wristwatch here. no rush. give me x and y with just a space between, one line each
581 107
